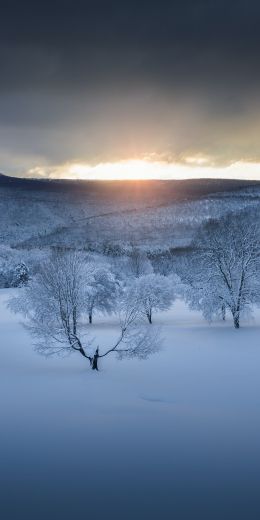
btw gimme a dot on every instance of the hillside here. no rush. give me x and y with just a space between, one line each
92 214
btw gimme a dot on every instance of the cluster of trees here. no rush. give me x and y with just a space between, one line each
14 276
18 265
219 275
60 301
222 275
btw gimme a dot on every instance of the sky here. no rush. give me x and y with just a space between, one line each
128 89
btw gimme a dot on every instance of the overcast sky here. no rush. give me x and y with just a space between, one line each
92 82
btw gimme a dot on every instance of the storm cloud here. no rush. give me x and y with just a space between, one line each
98 81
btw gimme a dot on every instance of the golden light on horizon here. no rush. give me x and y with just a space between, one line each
129 170
142 169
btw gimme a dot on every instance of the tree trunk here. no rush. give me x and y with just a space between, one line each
95 360
74 321
95 363
90 317
149 316
223 312
236 320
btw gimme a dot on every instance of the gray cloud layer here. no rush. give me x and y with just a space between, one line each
96 81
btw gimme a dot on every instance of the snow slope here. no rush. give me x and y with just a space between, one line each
176 436
154 214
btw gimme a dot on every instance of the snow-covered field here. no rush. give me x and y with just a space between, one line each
173 437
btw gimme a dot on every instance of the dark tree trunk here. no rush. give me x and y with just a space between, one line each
236 321
90 317
223 312
95 363
149 316
74 321
95 360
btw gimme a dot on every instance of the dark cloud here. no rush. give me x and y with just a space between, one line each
99 80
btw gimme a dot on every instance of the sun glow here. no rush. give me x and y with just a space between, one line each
132 169
146 169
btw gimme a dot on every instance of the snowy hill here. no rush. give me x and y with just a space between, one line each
88 214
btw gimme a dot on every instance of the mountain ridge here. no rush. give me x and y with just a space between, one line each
170 190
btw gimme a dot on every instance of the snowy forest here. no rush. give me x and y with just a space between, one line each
214 269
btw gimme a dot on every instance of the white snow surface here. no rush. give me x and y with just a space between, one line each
175 436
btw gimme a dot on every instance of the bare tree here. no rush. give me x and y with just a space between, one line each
223 272
54 305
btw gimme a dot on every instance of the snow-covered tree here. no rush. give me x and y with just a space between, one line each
101 291
54 305
138 263
223 272
20 275
150 293
163 261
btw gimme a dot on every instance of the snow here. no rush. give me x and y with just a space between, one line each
176 436
36 218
